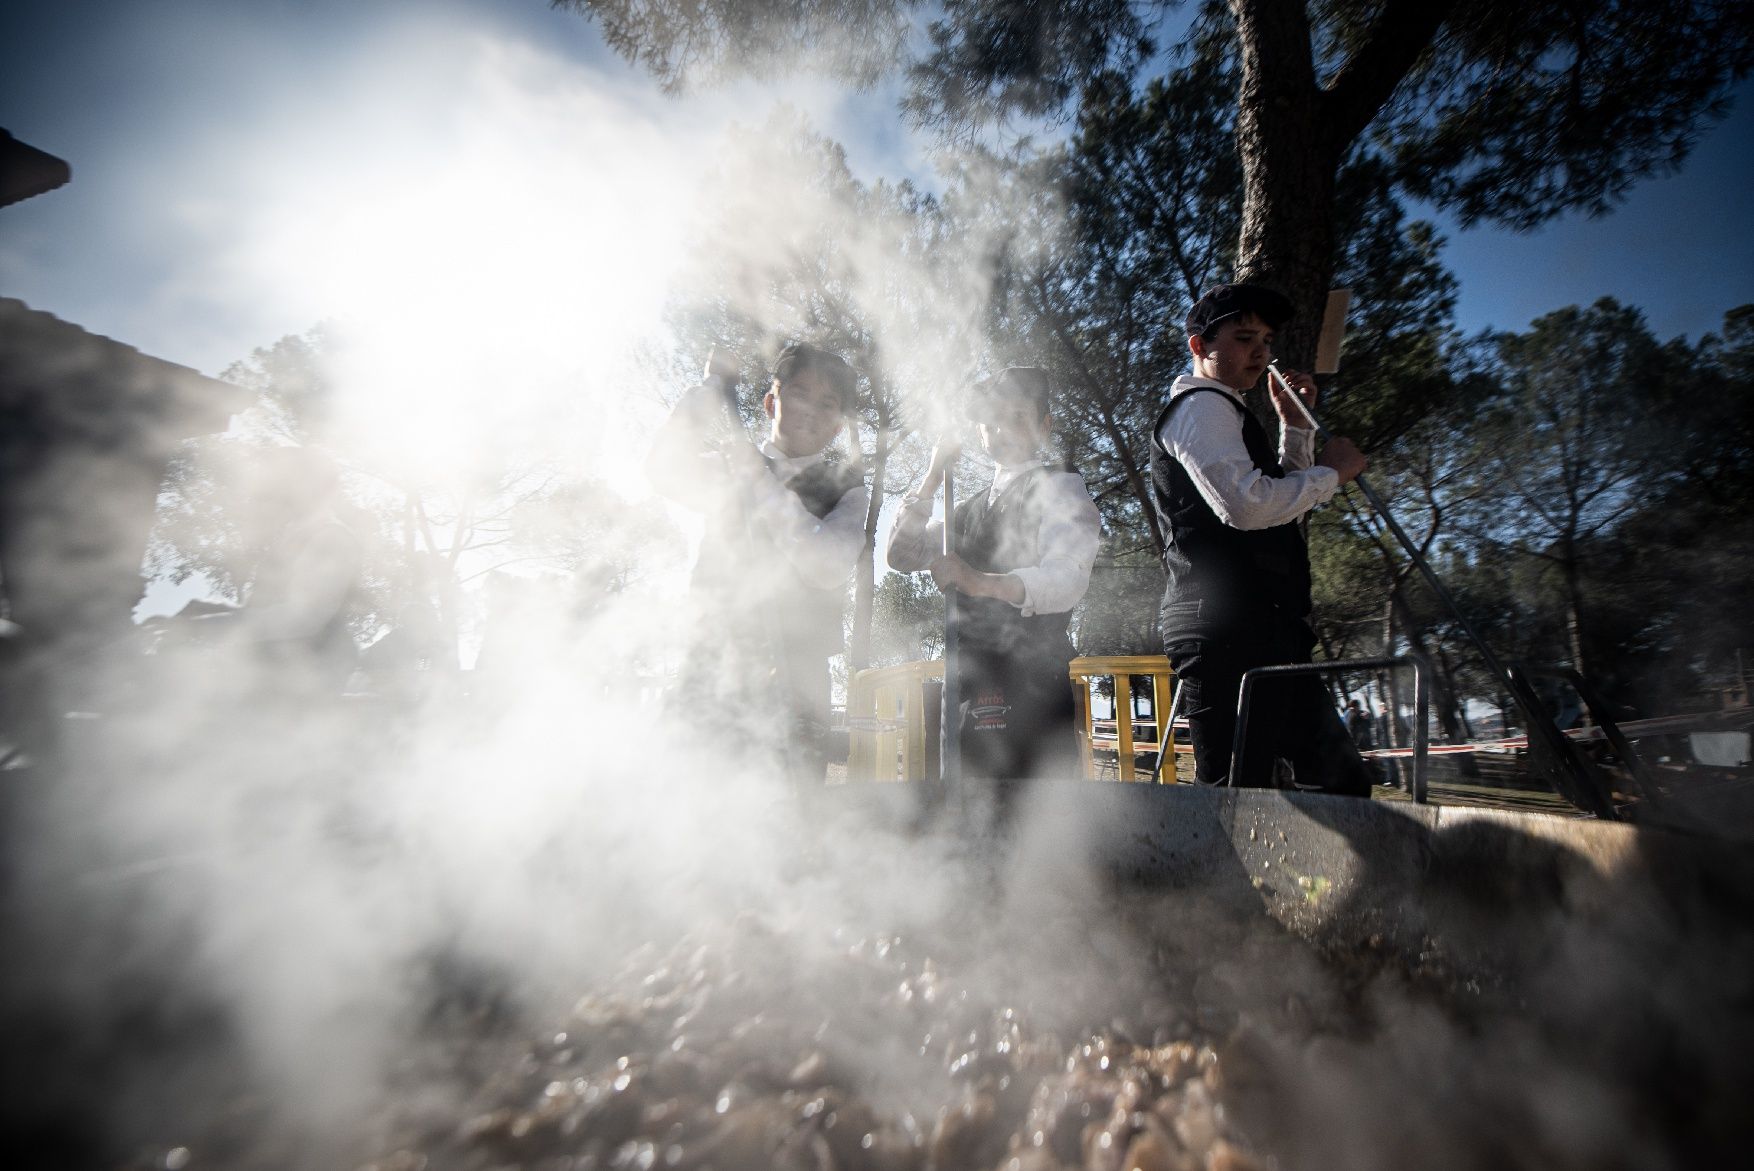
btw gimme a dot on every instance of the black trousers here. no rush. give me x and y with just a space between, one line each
1016 718
1289 719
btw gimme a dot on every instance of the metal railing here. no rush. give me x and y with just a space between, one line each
1421 705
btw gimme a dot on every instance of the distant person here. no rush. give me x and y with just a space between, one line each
1229 500
1358 725
1024 548
785 523
1362 728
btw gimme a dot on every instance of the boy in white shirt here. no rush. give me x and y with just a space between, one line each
1024 550
1238 594
785 522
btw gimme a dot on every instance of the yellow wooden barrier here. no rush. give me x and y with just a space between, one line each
1122 668
886 718
886 723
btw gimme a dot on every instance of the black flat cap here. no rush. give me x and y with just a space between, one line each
1222 301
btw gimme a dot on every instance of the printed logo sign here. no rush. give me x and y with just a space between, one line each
989 710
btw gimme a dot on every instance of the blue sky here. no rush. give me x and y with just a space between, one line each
180 117
1681 248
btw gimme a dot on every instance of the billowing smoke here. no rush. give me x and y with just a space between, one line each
236 879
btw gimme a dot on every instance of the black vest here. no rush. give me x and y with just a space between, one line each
758 594
1221 577
821 485
998 536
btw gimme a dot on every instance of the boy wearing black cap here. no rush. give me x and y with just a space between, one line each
1024 548
1238 594
785 522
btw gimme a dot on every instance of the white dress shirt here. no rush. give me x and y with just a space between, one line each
1070 532
1205 435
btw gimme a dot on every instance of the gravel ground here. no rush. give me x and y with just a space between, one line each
1145 1035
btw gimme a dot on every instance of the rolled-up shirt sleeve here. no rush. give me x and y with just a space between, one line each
822 551
1204 435
915 538
1071 530
1297 449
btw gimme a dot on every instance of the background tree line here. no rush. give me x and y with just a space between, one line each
1581 485
1527 465
1271 140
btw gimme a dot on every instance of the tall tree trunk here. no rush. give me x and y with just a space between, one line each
1390 687
1449 673
444 588
1292 133
1573 577
1288 166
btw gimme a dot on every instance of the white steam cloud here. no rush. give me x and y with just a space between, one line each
272 881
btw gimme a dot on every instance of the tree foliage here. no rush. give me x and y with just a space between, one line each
1671 583
202 525
1270 140
1519 111
1565 458
1504 112
685 44
1597 504
908 620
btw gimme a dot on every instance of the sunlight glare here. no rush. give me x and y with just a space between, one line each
493 282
